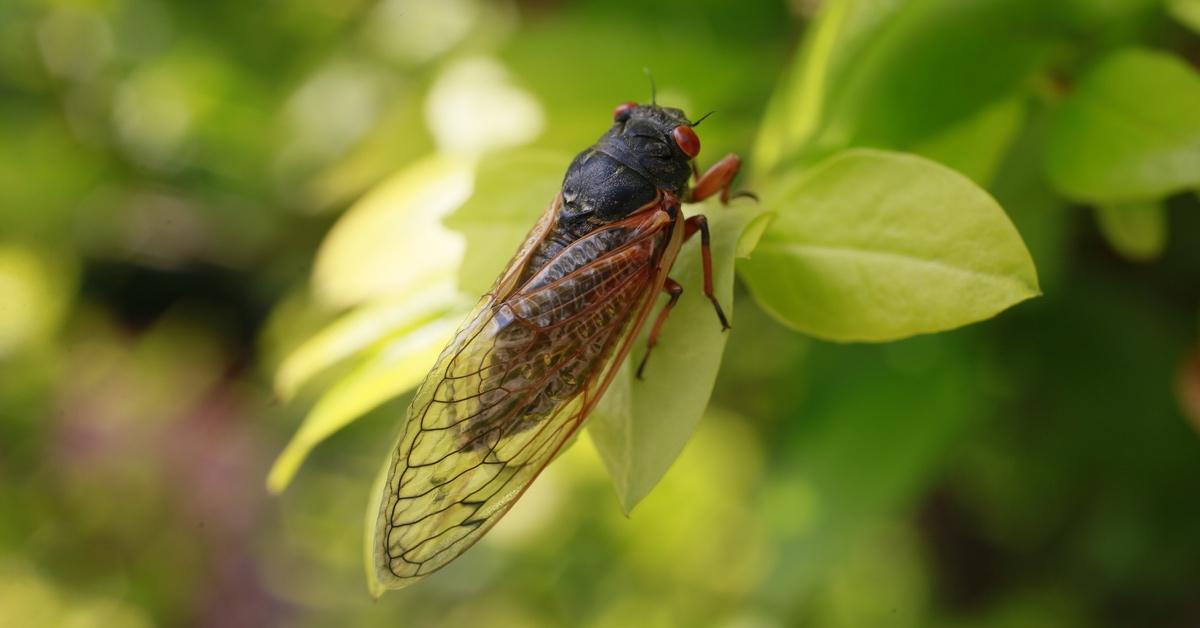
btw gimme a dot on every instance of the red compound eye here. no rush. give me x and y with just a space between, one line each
621 113
686 138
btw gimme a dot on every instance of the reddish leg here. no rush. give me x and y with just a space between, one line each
671 287
690 227
718 178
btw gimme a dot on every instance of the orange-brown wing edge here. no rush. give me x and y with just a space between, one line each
507 282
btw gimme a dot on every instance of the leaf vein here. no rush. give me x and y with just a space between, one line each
836 250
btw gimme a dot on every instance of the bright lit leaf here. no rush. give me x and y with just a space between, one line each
360 329
392 241
1129 131
391 252
397 367
871 245
511 191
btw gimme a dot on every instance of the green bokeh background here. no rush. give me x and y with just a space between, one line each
168 170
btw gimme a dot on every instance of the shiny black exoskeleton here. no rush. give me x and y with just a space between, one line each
627 166
647 150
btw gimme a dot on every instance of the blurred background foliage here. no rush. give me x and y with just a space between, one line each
169 172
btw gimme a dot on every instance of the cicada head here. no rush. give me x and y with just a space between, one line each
658 142
647 149
661 139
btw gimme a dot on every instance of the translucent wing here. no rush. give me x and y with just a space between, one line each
514 385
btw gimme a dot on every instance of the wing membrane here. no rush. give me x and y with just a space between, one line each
514 386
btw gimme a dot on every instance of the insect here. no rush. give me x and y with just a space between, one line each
523 372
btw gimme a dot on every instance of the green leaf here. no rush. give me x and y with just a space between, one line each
796 109
640 427
1129 131
392 241
394 369
874 72
360 329
753 233
976 145
1137 231
871 245
1186 11
895 94
511 191
391 255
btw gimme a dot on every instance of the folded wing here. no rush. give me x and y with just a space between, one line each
512 387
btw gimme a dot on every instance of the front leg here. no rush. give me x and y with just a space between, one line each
718 178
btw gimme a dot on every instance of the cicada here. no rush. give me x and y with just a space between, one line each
525 370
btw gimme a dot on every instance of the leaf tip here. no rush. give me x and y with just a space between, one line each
375 588
277 480
285 467
752 233
632 496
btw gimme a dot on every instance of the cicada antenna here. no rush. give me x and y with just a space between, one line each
697 122
653 88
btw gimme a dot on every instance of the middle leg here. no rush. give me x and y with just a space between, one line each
672 288
699 223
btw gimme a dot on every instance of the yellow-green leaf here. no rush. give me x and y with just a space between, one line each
511 191
360 329
871 245
397 367
753 233
1129 131
393 241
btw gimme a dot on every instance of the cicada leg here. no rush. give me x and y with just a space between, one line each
718 178
672 288
690 227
